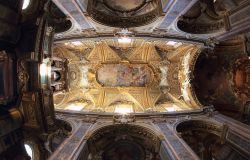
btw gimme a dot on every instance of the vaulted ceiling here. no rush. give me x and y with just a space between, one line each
139 54
141 76
190 20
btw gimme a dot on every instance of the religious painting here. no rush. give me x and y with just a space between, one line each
124 75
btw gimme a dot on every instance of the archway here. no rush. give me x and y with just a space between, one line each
220 79
205 17
207 139
124 142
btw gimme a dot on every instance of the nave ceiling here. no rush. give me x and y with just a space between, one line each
124 79
142 76
91 44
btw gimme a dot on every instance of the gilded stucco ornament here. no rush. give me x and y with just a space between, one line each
148 78
123 118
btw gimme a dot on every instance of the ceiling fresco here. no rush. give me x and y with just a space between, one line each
144 76
124 75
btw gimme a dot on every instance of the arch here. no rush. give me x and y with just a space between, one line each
186 73
150 128
207 138
104 139
199 125
203 18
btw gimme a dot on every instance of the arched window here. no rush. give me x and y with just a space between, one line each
26 3
123 108
29 150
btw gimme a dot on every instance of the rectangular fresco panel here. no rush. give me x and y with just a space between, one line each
124 75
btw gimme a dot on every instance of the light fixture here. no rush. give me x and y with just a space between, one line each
25 4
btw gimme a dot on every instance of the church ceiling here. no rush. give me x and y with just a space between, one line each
142 76
124 13
190 20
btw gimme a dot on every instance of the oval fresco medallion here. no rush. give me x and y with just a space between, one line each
124 75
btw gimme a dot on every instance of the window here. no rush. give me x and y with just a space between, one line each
172 108
76 106
123 108
29 150
26 3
